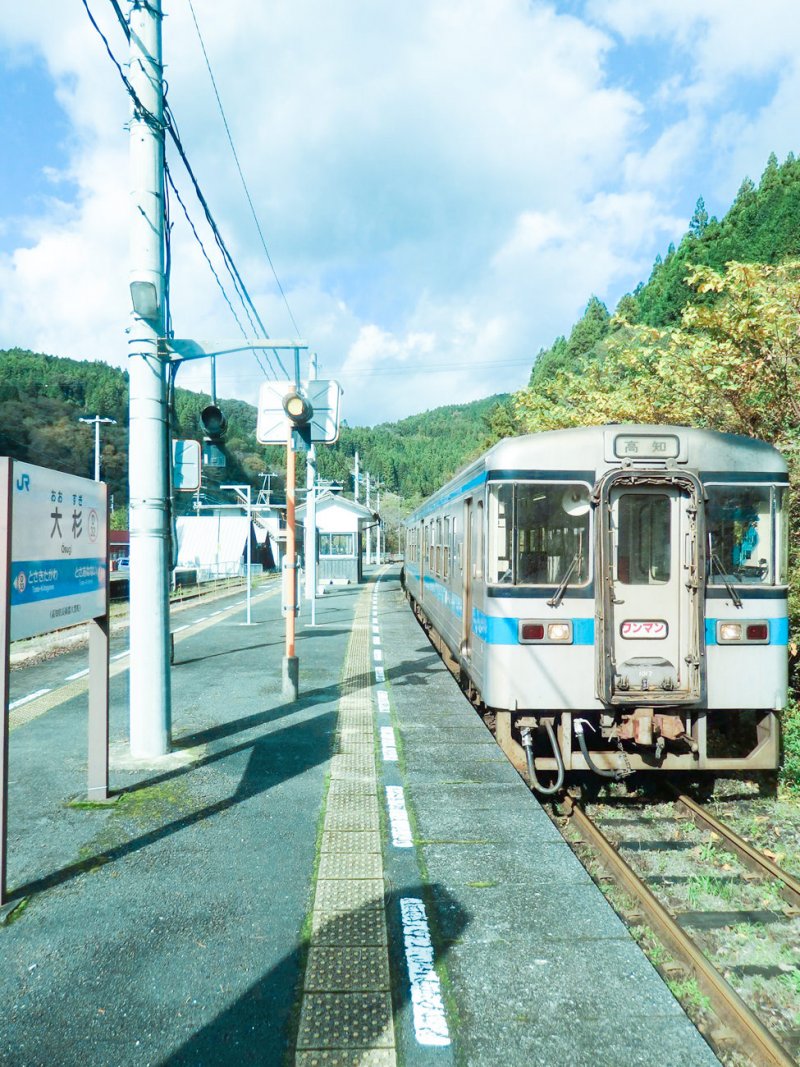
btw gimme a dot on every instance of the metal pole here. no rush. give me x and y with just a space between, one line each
150 695
355 484
249 552
311 513
97 450
290 660
96 421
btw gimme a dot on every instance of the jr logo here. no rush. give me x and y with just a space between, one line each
24 483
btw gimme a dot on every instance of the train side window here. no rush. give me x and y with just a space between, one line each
538 534
644 543
446 548
745 539
477 570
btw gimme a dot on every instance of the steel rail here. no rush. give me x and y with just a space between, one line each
751 857
750 1032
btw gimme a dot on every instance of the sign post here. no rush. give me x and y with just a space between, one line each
54 573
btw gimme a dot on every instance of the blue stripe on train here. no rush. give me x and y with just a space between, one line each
497 630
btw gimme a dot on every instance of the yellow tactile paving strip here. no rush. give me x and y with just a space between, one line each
346 1008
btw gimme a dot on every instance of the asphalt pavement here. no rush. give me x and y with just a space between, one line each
165 928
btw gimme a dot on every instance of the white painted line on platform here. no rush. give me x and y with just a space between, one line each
388 744
376 652
214 614
376 642
203 619
122 655
178 629
78 674
380 674
383 701
376 629
28 698
430 1022
398 817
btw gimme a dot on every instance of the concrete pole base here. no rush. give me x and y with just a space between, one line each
290 674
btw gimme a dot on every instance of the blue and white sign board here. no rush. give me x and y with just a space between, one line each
186 466
59 560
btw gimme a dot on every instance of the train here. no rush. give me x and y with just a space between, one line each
614 598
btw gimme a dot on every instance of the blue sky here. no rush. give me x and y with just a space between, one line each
442 184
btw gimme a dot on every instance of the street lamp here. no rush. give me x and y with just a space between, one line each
97 421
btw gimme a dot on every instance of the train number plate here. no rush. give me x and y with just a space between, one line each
644 629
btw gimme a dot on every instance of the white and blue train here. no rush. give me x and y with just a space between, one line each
616 597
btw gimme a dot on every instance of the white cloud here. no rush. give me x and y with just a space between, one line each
441 184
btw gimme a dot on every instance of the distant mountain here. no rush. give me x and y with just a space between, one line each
42 398
416 455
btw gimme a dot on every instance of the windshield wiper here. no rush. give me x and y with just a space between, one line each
555 599
715 562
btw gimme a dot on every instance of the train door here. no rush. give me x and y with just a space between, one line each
466 581
651 612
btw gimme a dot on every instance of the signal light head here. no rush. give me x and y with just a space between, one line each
297 408
214 423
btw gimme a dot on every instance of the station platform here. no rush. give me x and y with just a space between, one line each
356 878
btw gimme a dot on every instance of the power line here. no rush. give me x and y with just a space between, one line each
170 126
239 168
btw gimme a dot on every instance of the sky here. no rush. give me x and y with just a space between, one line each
441 185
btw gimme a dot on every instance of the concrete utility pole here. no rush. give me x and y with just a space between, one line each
378 527
369 530
97 421
150 695
357 477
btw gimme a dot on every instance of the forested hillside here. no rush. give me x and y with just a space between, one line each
762 226
42 398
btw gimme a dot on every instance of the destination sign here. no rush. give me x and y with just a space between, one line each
646 446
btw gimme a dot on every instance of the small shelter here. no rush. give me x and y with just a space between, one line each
339 540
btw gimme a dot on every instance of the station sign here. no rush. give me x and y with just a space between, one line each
59 550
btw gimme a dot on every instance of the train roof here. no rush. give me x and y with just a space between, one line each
585 447
593 449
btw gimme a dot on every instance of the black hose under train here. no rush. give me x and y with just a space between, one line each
527 744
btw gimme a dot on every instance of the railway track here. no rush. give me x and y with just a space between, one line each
734 1028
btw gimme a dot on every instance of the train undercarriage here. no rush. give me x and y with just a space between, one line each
614 744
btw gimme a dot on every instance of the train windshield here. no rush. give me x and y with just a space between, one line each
747 534
539 533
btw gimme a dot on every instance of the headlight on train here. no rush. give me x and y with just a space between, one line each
545 633
743 633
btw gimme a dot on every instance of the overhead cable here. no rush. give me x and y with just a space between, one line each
239 168
169 126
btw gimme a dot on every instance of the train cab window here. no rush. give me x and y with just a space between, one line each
537 534
644 542
747 538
